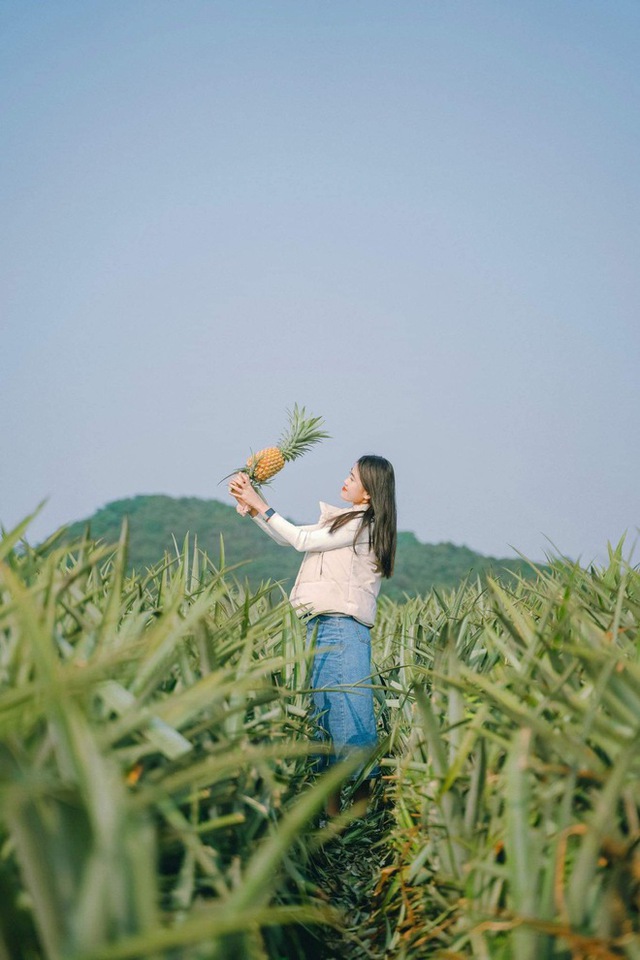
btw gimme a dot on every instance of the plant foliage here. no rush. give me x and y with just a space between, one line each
157 797
156 521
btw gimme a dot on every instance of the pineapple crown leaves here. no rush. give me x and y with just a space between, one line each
300 435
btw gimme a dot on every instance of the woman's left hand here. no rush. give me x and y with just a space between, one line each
240 488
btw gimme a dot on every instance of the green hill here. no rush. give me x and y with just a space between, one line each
155 520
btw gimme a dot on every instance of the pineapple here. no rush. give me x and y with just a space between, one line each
301 434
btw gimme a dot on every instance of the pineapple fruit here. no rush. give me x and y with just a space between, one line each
301 434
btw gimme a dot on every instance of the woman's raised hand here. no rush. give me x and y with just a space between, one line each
240 488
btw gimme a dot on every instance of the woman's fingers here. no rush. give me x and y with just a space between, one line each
239 490
239 482
247 498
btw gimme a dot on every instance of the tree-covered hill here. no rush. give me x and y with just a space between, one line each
155 520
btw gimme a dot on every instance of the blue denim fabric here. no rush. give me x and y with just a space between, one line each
343 660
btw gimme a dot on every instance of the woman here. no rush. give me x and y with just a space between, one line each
346 554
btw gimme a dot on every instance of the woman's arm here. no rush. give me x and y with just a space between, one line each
269 530
308 540
241 489
312 539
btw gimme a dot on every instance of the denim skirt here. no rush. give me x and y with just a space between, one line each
342 687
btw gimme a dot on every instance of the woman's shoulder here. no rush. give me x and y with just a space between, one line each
328 512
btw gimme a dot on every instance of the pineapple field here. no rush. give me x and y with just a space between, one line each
157 795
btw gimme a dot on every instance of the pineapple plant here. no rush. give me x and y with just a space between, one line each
301 433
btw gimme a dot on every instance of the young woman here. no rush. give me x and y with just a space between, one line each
346 554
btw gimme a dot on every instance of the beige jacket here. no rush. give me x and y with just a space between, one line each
333 577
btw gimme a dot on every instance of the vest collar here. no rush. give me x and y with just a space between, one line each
329 512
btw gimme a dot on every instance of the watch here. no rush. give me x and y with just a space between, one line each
268 514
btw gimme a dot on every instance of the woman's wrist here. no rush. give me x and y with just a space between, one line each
258 509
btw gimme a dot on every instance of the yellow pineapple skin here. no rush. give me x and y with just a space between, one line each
265 464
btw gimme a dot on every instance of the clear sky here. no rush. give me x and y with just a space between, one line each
419 219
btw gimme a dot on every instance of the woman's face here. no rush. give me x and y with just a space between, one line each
352 489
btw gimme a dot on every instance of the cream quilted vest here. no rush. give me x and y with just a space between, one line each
344 580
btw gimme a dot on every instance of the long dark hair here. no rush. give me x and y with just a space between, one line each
379 518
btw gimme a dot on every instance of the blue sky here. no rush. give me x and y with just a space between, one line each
419 219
